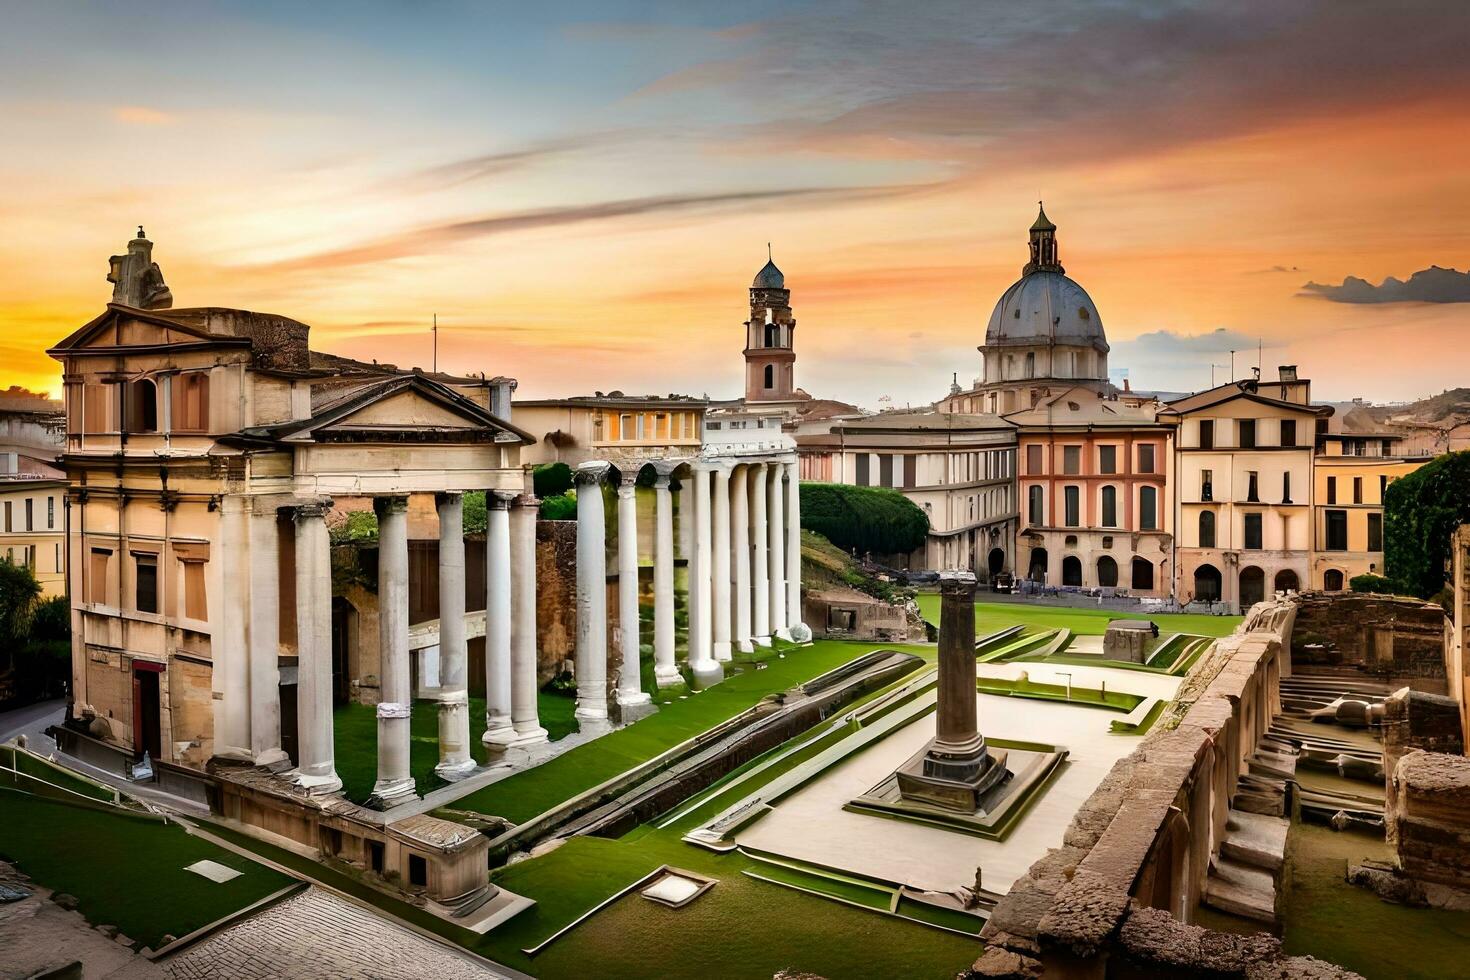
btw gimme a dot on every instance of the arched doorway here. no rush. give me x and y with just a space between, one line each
1072 571
1286 581
1252 587
1207 583
1143 575
1332 580
1036 570
996 561
1107 571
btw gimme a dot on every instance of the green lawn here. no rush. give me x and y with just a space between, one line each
125 869
993 616
355 729
528 794
1090 696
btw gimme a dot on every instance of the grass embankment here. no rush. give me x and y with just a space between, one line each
126 869
992 616
1088 696
22 771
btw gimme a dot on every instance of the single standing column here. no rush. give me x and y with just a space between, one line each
720 572
702 663
794 625
591 663
525 713
265 639
776 527
760 589
630 684
740 546
395 780
231 644
454 694
499 730
665 670
686 519
316 770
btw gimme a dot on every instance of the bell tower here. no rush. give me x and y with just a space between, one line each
1043 245
770 334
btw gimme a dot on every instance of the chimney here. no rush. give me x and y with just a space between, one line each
1288 372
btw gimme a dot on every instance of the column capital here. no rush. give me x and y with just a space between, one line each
591 473
628 478
662 480
442 497
526 500
500 499
316 510
390 504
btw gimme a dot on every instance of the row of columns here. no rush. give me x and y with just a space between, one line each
740 532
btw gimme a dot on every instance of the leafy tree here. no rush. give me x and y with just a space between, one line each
873 520
559 507
35 644
475 521
552 479
20 594
1371 583
1421 511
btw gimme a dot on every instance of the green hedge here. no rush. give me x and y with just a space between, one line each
552 479
1371 583
559 507
872 520
1421 511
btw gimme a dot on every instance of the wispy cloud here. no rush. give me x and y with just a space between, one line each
1431 285
141 115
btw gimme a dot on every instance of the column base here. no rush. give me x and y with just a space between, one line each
707 674
388 793
745 646
589 711
272 759
667 675
529 737
631 699
761 641
324 784
499 734
722 651
452 771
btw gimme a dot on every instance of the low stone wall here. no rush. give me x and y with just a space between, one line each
1398 638
1132 867
1415 720
1427 817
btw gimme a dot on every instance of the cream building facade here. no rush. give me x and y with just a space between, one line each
33 528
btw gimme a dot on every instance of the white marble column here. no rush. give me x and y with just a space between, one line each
316 769
760 589
499 727
265 638
630 691
702 663
395 779
794 624
776 527
591 664
231 646
665 670
740 548
525 712
720 571
454 674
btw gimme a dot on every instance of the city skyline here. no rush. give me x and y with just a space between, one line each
569 192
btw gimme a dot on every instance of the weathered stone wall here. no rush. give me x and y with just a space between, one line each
1415 720
1427 817
1144 839
1397 638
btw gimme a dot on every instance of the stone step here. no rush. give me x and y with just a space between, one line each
1256 839
1239 889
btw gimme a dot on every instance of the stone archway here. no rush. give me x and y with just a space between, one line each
1207 584
1143 575
996 562
1072 571
1036 568
1286 581
1332 580
1252 586
1107 571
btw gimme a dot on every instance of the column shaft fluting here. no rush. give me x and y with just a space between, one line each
316 752
395 780
591 661
499 729
630 684
525 712
720 570
760 588
665 670
265 640
740 549
776 545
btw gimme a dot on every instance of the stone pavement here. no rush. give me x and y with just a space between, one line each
318 936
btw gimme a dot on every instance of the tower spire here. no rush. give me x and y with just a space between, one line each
1043 245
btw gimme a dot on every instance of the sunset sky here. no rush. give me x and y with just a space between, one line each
583 191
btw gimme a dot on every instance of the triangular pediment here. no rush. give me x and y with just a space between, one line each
407 409
403 409
121 327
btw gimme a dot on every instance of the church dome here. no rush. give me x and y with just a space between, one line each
1045 308
769 277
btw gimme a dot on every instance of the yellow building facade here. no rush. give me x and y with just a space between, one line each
33 529
1351 474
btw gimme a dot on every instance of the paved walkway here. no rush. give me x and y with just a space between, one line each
317 936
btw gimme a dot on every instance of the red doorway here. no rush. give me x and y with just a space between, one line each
147 726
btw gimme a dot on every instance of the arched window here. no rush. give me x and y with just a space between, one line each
1110 506
1143 575
1037 566
1286 581
1072 571
1107 571
1332 580
770 376
1148 509
1252 587
1206 529
1207 584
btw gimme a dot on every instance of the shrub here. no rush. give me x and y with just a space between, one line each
1371 583
552 479
360 525
474 512
1421 511
559 507
873 520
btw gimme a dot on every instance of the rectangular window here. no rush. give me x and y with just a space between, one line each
145 575
195 604
1382 487
50 513
1286 487
1375 532
1207 484
1072 495
1332 489
1337 536
625 426
1288 432
97 565
1247 433
8 506
1071 460
1253 532
1148 508
191 402
1253 487
1207 433
1107 459
31 515
1034 506
58 557
1357 490
862 470
1109 507
1146 458
1033 460
911 470
885 470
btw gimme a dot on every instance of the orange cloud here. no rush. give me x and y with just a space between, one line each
140 115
